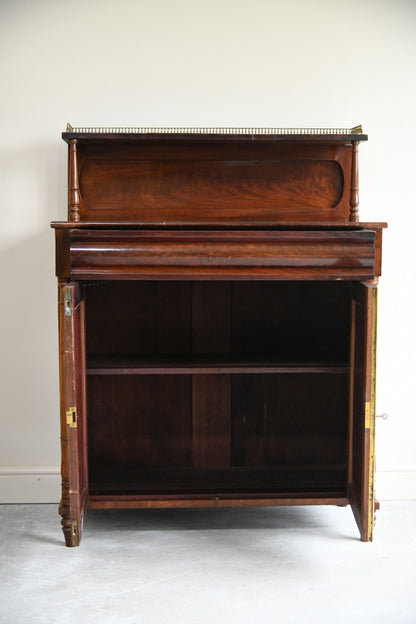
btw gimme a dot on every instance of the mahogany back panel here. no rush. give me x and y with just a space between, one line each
292 321
189 181
196 433
200 433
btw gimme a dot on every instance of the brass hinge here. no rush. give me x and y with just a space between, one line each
367 417
71 417
67 301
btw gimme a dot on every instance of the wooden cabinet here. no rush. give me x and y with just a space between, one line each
217 311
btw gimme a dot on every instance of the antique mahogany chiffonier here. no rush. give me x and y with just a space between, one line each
217 321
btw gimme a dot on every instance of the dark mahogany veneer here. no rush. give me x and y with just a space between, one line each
217 314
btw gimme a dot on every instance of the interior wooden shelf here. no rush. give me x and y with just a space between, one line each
154 501
189 365
235 479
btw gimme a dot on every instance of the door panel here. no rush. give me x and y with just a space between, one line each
73 412
362 408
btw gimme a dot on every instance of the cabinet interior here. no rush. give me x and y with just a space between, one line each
199 388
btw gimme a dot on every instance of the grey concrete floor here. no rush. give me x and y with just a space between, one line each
253 566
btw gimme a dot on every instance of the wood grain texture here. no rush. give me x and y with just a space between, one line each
202 226
193 180
211 317
275 255
136 423
213 483
146 318
290 420
62 253
218 185
276 500
211 420
301 322
179 365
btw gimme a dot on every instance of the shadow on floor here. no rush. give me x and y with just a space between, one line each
275 518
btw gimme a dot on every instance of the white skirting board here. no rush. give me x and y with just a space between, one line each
396 484
43 485
40 484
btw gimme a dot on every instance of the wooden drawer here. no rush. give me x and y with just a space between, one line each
285 254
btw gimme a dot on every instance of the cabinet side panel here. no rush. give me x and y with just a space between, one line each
62 253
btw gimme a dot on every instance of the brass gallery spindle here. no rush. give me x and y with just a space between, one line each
73 198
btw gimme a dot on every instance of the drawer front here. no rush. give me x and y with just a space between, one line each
130 254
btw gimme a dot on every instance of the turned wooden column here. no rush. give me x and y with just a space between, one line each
354 196
73 195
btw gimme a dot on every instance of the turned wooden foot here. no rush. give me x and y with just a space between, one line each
70 530
69 526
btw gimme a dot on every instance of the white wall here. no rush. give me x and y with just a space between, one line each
202 63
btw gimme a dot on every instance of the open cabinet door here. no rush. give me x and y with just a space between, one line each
362 407
73 412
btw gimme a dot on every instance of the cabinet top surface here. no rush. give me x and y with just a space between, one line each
198 226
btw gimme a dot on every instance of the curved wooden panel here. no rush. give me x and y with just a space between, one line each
223 255
164 187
